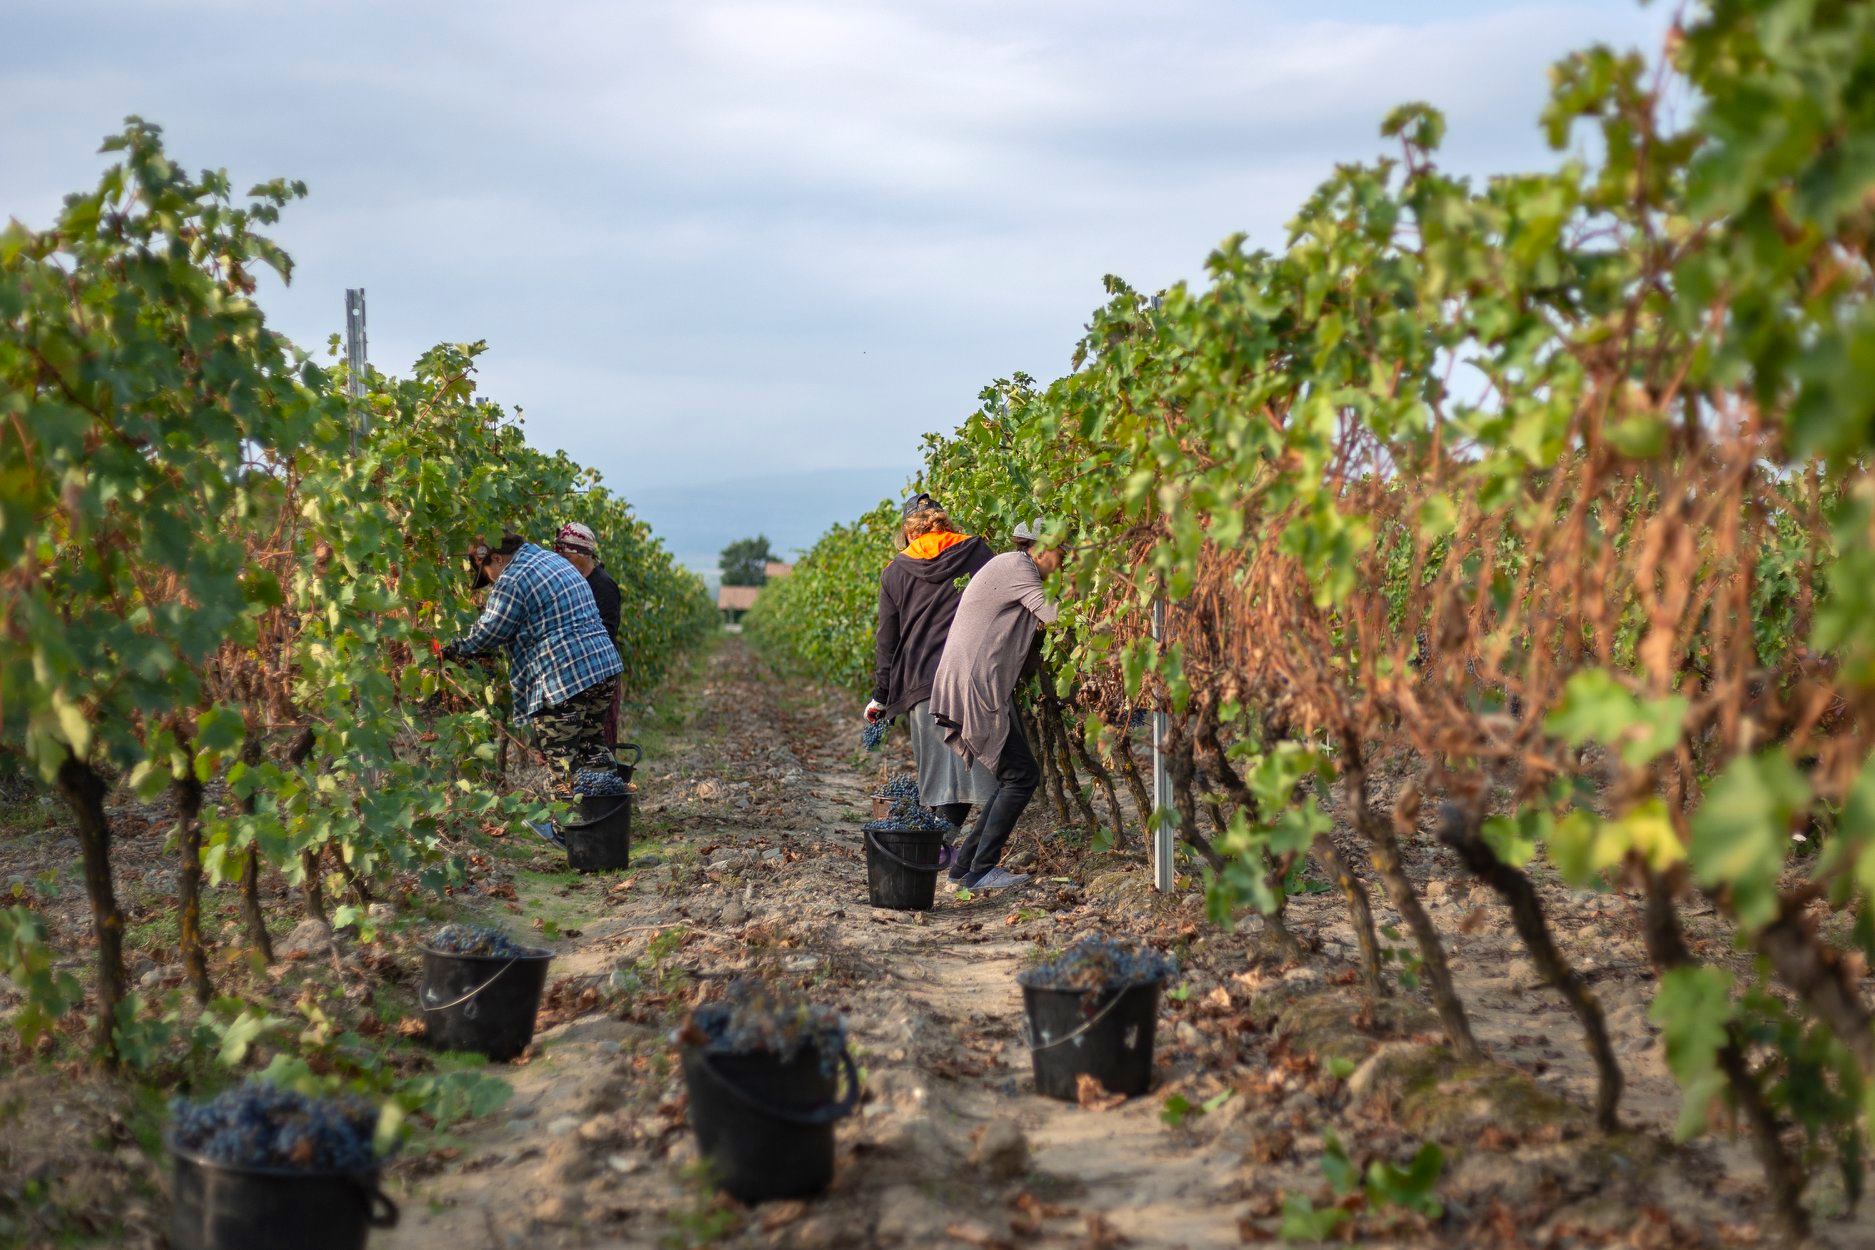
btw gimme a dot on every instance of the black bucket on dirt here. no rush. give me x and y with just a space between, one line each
902 866
482 1003
215 1206
599 837
764 1126
1106 1035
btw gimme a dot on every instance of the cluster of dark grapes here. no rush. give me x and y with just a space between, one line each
1100 963
595 782
759 1018
874 733
901 789
911 816
259 1125
476 939
906 811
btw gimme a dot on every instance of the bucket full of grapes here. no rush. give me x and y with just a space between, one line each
599 837
259 1167
481 991
1091 1013
764 1070
902 864
904 849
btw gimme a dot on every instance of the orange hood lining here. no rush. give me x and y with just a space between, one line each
929 546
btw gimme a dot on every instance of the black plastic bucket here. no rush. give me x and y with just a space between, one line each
481 1003
599 839
764 1127
1105 1035
218 1207
902 867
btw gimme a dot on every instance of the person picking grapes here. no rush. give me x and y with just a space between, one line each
918 597
972 700
561 664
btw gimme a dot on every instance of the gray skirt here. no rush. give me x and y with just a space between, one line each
942 775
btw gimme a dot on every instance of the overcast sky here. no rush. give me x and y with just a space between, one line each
709 239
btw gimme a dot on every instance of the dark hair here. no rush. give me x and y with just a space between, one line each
480 553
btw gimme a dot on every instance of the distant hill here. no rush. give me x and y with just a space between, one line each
793 509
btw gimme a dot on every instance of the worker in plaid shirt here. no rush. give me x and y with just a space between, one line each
561 661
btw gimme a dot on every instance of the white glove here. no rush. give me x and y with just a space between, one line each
874 709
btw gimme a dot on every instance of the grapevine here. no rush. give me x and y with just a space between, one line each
1598 608
206 588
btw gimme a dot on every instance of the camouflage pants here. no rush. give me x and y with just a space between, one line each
572 736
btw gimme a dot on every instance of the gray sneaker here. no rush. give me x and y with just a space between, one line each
1000 879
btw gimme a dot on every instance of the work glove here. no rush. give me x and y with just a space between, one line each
874 709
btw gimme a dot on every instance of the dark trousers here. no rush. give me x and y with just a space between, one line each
611 716
955 813
1017 775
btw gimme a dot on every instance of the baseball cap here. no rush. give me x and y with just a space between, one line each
919 502
1028 531
578 537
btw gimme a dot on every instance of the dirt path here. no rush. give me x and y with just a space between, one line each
751 816
748 861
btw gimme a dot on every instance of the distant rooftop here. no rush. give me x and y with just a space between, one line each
737 598
778 568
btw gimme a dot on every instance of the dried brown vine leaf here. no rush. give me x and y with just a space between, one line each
1091 1094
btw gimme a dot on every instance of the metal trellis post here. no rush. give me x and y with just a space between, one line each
356 360
1163 822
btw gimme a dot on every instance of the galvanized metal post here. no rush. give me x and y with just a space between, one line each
1164 822
356 360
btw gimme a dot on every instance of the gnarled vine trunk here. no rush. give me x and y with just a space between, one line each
83 788
194 948
1459 830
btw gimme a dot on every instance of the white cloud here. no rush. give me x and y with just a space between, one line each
715 236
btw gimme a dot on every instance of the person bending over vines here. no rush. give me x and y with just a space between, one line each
561 663
972 700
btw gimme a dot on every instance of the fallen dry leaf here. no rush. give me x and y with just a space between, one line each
1032 1213
975 1235
1091 1094
781 1214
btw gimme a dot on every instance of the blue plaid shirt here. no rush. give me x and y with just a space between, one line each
542 611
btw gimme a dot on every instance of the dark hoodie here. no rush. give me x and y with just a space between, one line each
918 598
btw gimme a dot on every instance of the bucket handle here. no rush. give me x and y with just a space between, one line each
382 1212
826 1113
623 799
638 753
900 860
423 997
1028 1038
